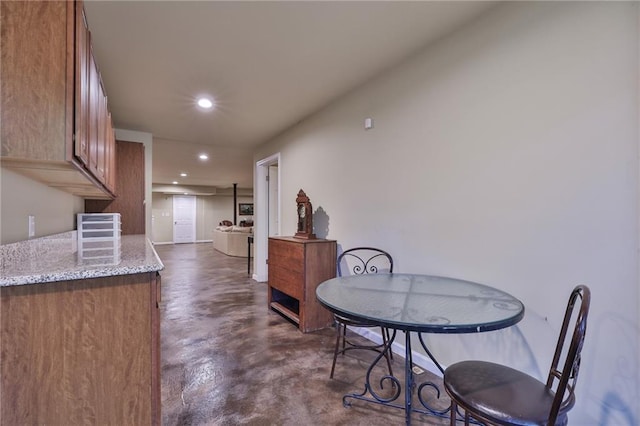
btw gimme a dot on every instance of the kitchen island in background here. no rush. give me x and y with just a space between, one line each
80 340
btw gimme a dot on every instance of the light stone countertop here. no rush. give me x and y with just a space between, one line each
56 258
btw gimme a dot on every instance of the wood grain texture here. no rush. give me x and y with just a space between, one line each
110 147
35 79
78 352
286 280
156 366
93 126
130 189
296 268
130 185
320 265
58 174
82 87
38 89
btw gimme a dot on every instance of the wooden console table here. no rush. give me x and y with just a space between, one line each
296 268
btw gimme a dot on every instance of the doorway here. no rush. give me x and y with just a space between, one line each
184 219
267 211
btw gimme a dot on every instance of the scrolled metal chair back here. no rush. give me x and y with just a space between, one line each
365 260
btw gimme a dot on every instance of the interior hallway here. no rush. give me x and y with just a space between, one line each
228 360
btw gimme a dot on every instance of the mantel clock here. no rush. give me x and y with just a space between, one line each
305 217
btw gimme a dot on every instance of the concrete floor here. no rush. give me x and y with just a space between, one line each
228 360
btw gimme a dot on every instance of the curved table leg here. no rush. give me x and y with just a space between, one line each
376 397
408 378
370 394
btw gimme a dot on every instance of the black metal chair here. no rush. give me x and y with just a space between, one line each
496 394
361 260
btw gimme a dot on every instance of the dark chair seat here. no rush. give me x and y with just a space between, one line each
500 394
497 394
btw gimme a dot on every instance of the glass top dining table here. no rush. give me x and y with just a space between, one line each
423 303
417 303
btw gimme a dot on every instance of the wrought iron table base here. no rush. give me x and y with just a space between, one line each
421 304
410 385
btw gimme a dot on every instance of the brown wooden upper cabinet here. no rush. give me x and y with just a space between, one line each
56 127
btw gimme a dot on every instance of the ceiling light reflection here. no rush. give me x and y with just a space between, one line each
205 103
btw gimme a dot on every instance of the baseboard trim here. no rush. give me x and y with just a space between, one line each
164 243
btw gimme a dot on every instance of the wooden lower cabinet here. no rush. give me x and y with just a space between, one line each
296 268
81 352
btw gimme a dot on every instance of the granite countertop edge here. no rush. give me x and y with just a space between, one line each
55 258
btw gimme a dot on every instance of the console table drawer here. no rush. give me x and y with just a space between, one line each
287 281
287 256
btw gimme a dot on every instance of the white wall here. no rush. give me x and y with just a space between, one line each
162 218
505 153
54 210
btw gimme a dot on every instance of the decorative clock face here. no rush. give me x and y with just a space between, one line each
301 216
305 217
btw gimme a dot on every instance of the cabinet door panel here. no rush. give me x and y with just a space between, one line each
34 79
286 255
81 145
102 133
156 369
94 102
110 149
129 188
79 352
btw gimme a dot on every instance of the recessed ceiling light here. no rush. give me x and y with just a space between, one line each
183 174
203 157
205 103
174 182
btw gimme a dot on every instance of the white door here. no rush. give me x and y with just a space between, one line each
184 219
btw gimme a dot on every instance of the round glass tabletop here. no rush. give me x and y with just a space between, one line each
421 303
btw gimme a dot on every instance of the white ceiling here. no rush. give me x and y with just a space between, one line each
267 64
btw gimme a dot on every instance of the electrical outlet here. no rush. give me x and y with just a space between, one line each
32 226
417 370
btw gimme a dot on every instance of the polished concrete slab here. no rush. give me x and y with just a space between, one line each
228 360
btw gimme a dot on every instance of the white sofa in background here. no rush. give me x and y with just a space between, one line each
232 240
